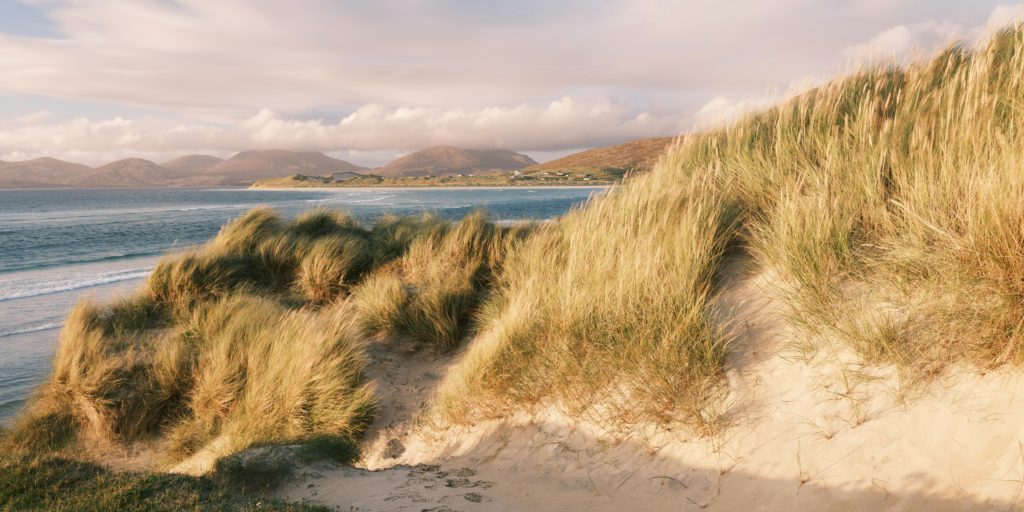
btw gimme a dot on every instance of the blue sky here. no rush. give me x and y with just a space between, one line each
92 81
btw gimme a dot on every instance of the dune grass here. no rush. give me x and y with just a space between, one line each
242 368
886 202
607 314
433 290
254 340
889 203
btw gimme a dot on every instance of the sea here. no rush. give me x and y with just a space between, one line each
59 245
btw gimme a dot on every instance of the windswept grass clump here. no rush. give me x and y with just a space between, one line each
432 290
242 368
267 375
606 314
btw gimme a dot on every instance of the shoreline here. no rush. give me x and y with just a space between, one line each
473 187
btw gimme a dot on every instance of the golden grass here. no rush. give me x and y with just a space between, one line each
432 291
253 338
607 313
268 375
888 202
241 367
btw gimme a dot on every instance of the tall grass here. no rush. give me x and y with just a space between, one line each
889 202
431 292
607 313
253 338
886 201
242 367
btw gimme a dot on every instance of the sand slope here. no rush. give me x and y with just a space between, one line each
798 442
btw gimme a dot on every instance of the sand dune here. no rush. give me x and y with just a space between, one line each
800 440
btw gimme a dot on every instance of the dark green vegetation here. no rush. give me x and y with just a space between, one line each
55 484
577 176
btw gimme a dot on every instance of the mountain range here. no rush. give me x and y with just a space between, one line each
247 167
187 171
636 155
449 161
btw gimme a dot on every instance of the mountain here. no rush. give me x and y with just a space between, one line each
249 166
639 154
191 164
130 172
39 172
447 161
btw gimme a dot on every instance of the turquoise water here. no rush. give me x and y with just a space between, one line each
59 245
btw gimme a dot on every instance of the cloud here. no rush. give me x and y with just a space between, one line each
34 117
926 37
902 40
224 75
566 122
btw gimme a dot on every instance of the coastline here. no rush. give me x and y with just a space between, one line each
468 187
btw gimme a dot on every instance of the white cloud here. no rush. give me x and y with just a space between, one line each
404 74
1003 15
566 122
903 40
923 39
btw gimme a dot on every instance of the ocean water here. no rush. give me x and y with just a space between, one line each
57 246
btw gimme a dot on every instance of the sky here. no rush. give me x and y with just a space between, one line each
95 81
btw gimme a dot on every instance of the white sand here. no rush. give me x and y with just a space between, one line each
797 444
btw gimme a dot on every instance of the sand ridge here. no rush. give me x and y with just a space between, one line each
799 440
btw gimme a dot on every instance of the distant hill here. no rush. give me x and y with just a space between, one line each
130 172
191 164
39 172
639 154
448 161
248 166
188 171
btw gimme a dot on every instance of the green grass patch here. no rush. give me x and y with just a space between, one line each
53 484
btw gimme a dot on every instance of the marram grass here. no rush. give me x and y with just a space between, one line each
255 338
887 202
